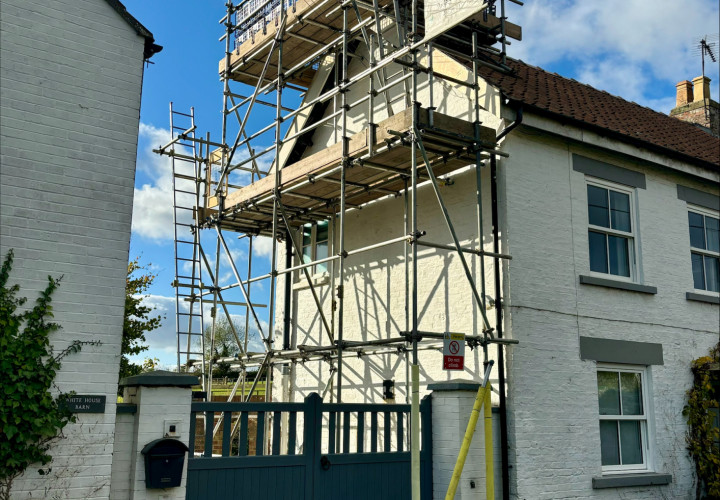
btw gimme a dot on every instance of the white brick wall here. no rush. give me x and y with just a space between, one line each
552 393
70 80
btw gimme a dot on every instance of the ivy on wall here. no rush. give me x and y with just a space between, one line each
31 417
703 437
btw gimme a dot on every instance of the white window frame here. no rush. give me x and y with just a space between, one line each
633 243
646 424
313 251
710 213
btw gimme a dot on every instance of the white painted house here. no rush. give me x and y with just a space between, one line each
70 78
610 212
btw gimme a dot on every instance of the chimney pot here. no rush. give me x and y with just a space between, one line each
701 90
684 93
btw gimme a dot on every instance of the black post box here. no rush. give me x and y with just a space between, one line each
164 460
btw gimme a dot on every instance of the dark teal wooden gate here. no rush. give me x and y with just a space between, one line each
305 451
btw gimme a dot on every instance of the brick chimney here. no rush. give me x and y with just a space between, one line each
693 104
701 88
684 93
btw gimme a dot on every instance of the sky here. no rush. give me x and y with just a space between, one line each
637 50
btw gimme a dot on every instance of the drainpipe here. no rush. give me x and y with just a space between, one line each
499 309
518 121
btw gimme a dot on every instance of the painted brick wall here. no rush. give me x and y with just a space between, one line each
71 74
555 442
375 295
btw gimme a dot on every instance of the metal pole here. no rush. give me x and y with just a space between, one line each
345 153
451 228
242 287
415 371
298 250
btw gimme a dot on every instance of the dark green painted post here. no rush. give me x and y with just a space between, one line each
312 437
426 471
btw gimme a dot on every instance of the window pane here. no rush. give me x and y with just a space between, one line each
321 251
619 255
609 446
307 254
631 393
322 232
697 231
712 278
712 227
698 274
631 442
598 206
620 211
598 252
307 235
608 393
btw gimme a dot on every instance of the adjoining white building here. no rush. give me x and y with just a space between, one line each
70 84
610 213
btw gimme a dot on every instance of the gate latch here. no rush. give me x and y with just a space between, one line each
325 463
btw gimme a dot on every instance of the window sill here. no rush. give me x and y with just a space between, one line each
702 297
623 480
317 280
620 285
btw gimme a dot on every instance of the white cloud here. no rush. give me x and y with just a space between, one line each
153 203
626 48
262 246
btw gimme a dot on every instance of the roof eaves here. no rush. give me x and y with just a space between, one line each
622 137
151 47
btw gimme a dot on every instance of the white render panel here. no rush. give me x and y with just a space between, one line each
70 80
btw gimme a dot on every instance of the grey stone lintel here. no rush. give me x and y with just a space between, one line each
701 297
160 378
621 480
620 285
699 198
621 351
612 173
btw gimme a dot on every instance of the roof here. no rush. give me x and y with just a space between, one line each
568 100
151 47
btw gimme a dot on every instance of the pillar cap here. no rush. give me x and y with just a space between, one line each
160 378
455 385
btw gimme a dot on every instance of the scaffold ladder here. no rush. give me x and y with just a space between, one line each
186 163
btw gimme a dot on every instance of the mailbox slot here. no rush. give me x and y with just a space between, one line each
164 461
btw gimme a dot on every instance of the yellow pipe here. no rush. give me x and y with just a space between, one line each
489 462
469 431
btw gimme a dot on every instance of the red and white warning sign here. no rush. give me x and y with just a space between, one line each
454 351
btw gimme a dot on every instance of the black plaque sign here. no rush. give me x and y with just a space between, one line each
81 403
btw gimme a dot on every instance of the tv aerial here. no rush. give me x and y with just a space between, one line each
706 46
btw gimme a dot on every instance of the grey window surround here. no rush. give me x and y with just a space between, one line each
623 480
701 297
620 285
621 351
608 172
699 198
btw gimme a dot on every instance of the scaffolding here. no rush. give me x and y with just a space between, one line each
300 52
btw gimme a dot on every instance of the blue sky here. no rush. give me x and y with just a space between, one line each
637 50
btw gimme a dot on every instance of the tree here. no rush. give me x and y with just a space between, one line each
225 344
138 316
31 417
